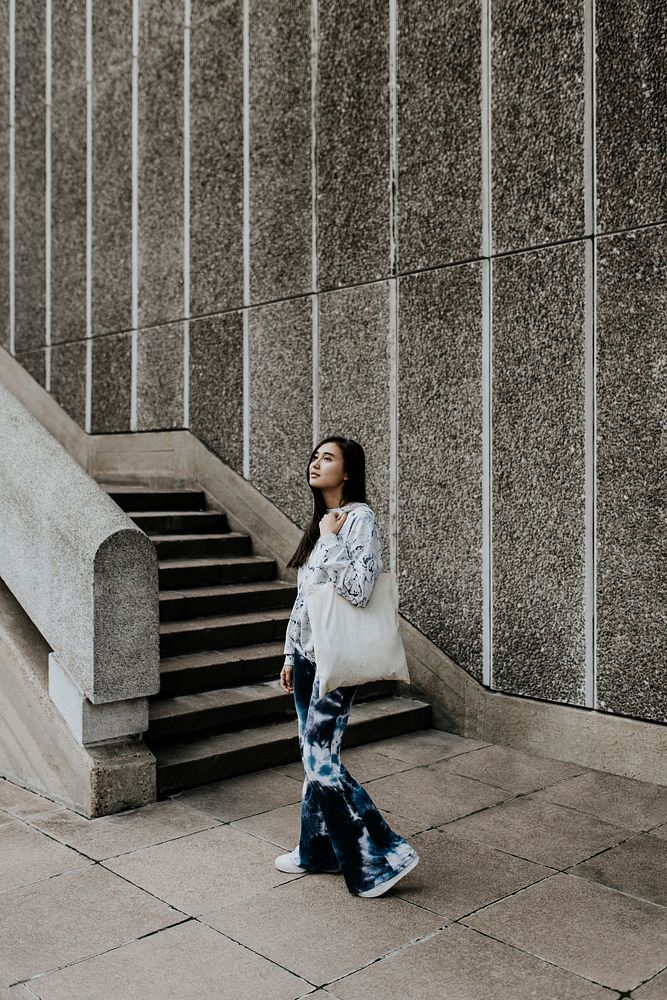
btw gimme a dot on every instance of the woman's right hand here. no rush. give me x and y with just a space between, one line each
286 678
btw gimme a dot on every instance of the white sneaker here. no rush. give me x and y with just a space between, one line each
378 890
286 863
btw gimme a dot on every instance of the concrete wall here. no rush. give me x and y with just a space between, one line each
407 221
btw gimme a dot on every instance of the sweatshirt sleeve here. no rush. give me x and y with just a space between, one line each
293 628
289 645
355 562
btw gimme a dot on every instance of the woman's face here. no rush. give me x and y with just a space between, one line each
326 467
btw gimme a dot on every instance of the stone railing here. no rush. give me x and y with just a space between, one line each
85 575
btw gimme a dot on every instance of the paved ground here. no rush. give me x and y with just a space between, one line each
537 879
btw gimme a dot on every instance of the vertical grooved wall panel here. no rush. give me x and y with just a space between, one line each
632 477
440 459
112 167
160 161
353 129
538 501
354 383
537 121
4 174
281 403
280 173
439 132
216 157
30 227
68 172
631 73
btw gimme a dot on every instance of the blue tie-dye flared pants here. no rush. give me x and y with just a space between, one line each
340 823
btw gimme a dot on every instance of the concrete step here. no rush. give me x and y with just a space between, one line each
181 522
189 673
206 572
231 707
221 631
187 763
192 602
196 546
144 498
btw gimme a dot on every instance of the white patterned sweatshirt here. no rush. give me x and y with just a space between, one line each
352 558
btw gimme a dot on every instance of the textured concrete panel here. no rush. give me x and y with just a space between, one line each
68 378
34 362
353 137
537 117
281 404
30 176
354 384
4 175
439 132
631 112
440 459
280 135
4 239
160 161
631 522
216 385
160 378
4 68
112 374
68 176
538 530
216 157
112 167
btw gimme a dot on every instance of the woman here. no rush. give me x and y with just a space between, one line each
341 827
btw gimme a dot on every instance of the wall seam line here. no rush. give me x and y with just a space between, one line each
314 179
135 212
590 226
187 23
12 177
89 216
486 347
246 240
47 195
393 287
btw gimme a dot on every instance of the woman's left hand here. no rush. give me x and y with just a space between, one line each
333 521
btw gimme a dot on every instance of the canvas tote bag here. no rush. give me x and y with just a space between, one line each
355 645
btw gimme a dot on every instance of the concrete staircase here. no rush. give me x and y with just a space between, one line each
223 615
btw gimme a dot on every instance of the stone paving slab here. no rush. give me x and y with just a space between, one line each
425 746
433 796
109 836
537 879
637 805
16 993
27 856
654 989
540 831
189 961
637 867
459 965
319 930
204 870
73 916
588 929
21 802
511 769
245 795
456 876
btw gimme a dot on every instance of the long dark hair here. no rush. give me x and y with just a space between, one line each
353 488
